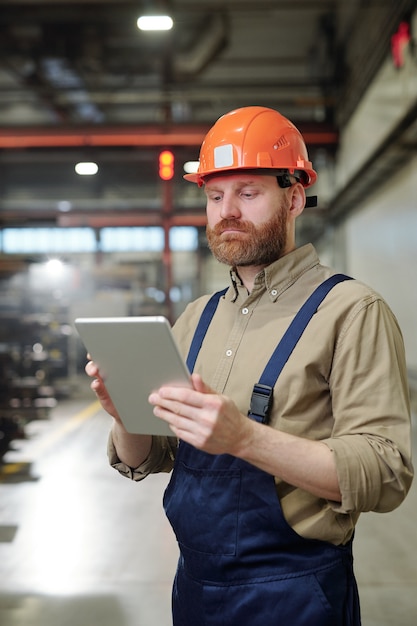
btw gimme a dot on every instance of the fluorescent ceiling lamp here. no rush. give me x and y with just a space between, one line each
155 22
64 206
86 168
54 266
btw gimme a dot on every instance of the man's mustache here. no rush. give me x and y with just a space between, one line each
226 224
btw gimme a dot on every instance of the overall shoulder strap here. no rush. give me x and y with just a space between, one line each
202 327
261 400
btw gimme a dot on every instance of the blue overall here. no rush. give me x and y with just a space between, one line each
240 561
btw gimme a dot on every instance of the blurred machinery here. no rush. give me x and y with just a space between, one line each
33 362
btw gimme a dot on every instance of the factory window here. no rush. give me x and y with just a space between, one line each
151 238
183 238
129 239
118 239
47 240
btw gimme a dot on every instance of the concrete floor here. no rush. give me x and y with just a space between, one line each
81 546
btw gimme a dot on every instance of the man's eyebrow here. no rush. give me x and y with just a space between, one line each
242 183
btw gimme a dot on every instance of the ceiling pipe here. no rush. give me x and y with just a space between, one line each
105 136
209 43
95 220
18 138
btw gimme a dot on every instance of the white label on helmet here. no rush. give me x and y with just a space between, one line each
223 156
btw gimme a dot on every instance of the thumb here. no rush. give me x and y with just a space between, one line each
200 385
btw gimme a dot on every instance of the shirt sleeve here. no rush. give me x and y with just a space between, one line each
371 436
160 459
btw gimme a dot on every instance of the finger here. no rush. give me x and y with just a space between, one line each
199 384
167 395
104 398
181 425
169 409
91 369
97 386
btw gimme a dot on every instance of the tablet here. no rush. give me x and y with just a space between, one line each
135 355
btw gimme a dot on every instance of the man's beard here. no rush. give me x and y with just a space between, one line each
262 244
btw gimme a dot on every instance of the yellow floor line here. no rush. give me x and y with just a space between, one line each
70 425
50 440
10 469
82 416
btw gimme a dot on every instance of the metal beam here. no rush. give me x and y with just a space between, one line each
192 5
105 136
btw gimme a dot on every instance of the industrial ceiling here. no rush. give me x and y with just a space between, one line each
78 80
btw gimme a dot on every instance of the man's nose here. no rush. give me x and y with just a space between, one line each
230 207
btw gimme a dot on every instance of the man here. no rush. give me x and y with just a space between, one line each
270 476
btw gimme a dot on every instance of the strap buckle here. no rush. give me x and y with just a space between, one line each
261 402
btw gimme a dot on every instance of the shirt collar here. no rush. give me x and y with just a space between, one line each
281 274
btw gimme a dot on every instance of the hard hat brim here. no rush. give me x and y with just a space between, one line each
200 179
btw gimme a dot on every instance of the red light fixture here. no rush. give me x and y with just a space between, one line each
399 41
166 165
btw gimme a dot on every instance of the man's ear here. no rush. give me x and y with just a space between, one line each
298 199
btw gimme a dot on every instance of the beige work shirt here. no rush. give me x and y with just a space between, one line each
345 384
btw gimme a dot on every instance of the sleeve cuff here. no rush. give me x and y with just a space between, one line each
136 474
358 474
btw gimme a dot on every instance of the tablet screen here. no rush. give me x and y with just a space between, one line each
135 355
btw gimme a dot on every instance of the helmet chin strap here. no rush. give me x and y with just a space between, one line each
311 201
284 181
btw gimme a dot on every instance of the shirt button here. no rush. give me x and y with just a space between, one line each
229 352
274 292
245 311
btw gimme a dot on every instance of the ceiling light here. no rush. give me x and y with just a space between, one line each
54 266
86 168
64 206
155 22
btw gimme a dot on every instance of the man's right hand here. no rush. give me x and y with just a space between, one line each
99 388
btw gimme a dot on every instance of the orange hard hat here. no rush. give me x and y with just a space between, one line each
253 138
